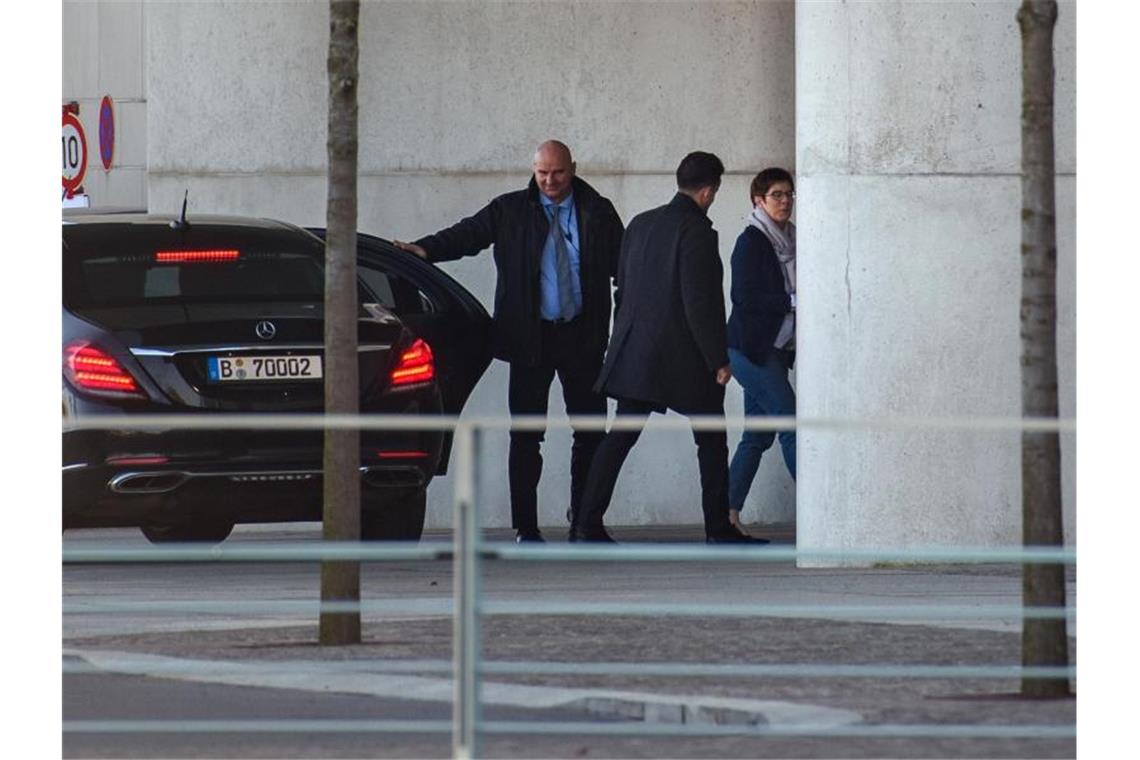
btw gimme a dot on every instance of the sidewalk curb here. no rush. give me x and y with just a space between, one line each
630 705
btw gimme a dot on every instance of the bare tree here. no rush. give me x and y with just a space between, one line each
340 581
1043 642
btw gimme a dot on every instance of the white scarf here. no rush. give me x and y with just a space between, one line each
784 243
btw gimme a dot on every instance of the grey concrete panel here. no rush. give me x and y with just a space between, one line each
80 50
909 309
121 42
237 87
823 100
297 199
916 88
468 88
630 83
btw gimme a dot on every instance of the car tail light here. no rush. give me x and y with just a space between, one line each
416 365
180 257
90 368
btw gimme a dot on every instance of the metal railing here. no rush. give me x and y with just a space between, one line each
468 550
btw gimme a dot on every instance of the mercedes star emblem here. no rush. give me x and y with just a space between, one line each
265 330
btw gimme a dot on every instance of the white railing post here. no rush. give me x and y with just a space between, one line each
466 581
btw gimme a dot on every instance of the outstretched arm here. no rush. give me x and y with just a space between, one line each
466 237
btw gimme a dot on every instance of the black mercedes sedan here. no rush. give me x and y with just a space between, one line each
224 315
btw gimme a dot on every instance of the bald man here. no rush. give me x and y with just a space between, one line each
556 246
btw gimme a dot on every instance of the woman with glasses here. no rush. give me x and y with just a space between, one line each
762 326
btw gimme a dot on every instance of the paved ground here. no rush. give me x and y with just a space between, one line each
404 649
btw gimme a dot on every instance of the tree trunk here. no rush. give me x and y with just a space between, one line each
1043 642
340 581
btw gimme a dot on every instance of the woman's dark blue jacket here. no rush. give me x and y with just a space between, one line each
759 299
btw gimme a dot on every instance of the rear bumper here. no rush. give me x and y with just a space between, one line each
118 478
103 496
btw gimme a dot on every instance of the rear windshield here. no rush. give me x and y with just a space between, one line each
221 274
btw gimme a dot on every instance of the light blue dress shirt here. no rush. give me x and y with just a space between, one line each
548 279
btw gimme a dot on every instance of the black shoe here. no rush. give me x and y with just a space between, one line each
529 537
596 536
732 535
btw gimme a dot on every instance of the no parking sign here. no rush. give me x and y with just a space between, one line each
74 153
107 132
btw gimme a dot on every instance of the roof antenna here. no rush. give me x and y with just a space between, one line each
181 223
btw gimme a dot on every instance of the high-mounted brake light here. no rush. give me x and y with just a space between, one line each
416 365
401 454
90 368
180 257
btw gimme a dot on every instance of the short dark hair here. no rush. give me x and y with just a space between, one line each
763 181
699 169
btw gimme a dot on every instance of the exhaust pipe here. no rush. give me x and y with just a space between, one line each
147 482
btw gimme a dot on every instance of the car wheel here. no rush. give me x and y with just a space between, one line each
398 516
205 532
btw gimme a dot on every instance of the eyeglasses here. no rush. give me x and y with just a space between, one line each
780 195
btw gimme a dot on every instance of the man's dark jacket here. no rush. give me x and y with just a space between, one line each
759 298
669 330
518 226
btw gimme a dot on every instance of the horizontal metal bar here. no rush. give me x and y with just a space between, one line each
260 551
74 665
633 609
539 422
314 551
887 731
284 726
736 609
592 728
782 670
254 607
697 552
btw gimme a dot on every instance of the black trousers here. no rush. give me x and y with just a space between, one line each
712 458
529 392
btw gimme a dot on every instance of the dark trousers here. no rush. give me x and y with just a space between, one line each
712 458
529 391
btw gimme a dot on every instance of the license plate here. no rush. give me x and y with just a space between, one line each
224 369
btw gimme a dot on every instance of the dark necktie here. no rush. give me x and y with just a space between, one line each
562 267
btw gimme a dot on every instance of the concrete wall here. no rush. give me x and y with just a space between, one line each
908 148
454 97
103 54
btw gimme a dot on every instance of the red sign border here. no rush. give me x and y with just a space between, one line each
76 181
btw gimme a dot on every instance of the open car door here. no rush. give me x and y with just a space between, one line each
435 307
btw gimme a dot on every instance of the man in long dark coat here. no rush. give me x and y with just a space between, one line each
556 245
669 345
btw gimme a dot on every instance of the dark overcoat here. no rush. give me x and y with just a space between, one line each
516 224
669 329
759 299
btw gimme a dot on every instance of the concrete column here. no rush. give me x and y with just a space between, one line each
907 148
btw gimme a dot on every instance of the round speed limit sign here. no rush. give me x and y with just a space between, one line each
74 153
